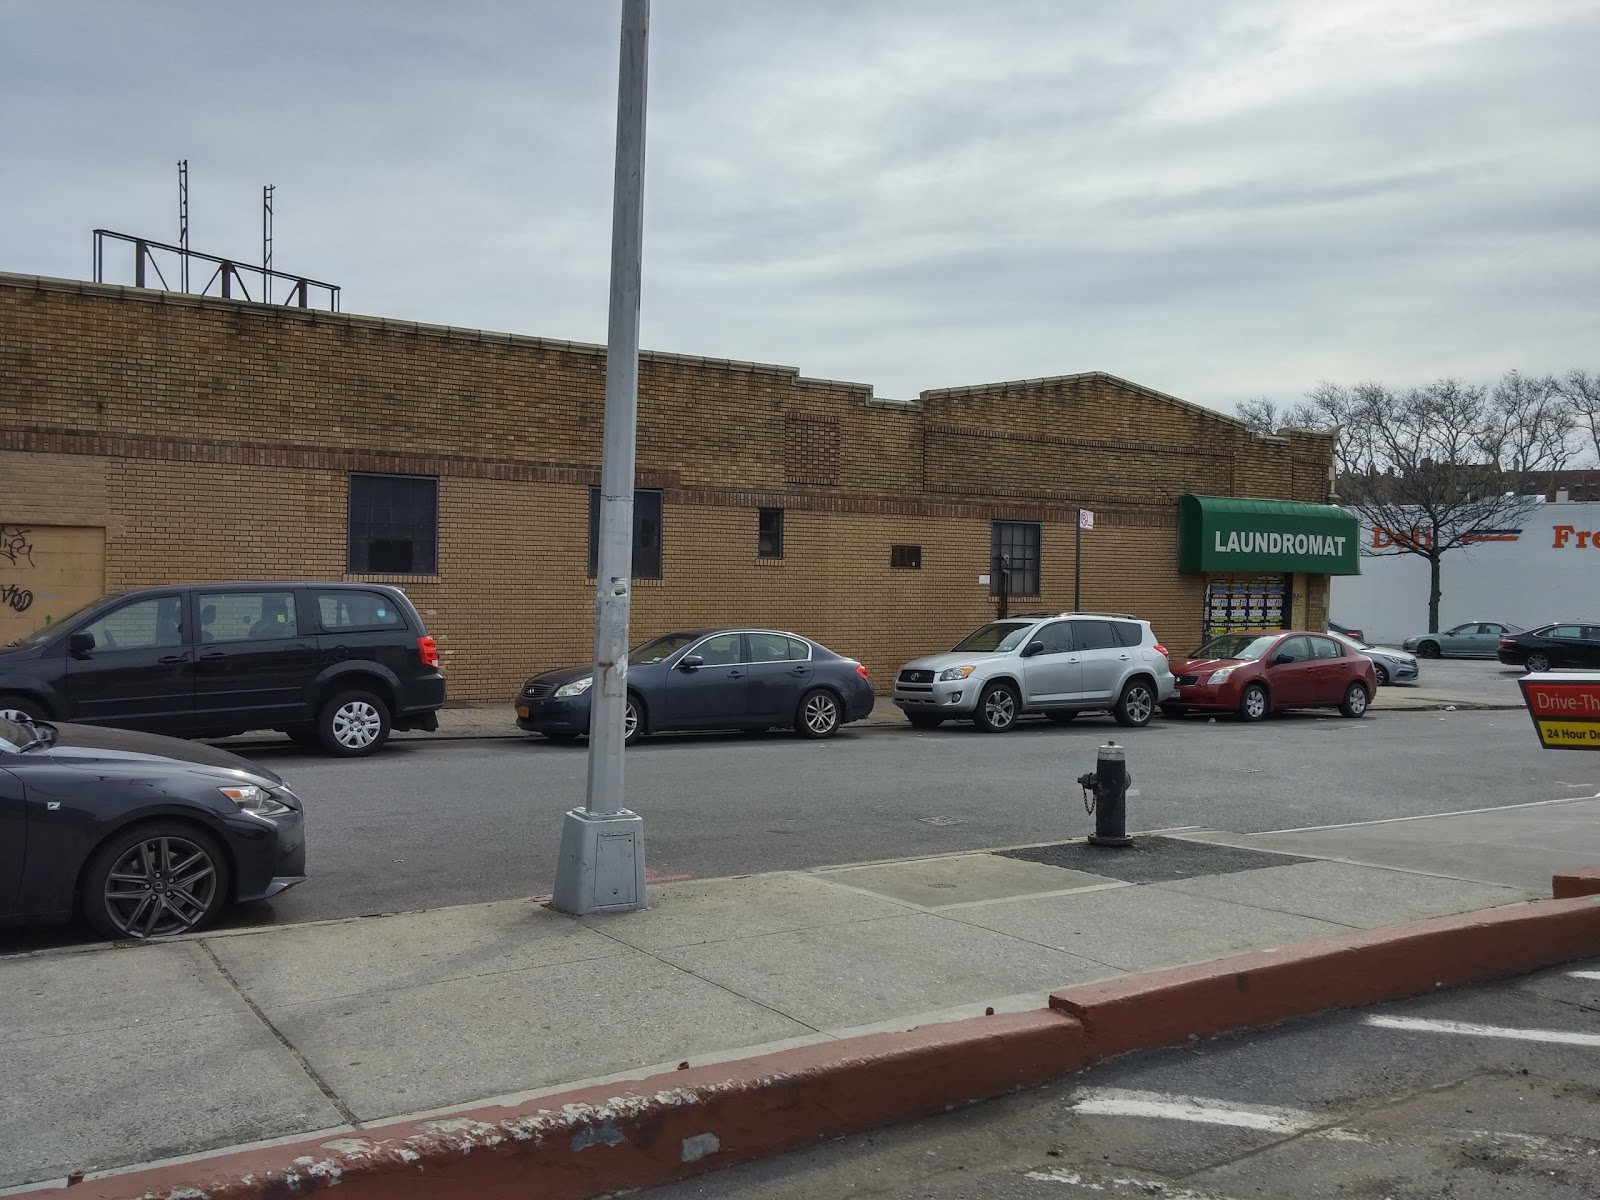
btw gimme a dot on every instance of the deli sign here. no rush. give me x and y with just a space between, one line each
1565 710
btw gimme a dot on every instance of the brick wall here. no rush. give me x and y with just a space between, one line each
213 439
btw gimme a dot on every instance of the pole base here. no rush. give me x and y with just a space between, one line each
602 863
1096 840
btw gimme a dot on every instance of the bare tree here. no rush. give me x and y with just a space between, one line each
1413 465
1263 416
1529 425
1582 391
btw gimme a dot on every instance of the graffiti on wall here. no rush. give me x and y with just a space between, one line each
15 598
16 545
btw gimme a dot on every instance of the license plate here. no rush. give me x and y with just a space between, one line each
521 712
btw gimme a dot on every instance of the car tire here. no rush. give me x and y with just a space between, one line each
26 707
1382 673
1355 700
1536 662
1136 705
634 723
353 724
997 708
1254 704
818 715
1062 718
158 851
1428 650
925 720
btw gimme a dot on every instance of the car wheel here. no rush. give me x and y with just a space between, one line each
1253 704
1428 649
1536 662
353 724
1062 718
22 709
566 739
818 716
997 708
633 720
1382 673
155 880
925 720
1136 705
1355 700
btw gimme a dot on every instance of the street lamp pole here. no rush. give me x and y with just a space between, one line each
601 868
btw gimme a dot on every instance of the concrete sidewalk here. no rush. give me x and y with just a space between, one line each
122 1055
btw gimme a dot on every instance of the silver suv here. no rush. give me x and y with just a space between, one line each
1059 664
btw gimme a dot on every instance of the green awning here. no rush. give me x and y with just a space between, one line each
1223 534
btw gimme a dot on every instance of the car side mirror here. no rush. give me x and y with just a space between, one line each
80 643
1279 660
1032 648
691 662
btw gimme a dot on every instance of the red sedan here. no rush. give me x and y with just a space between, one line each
1254 673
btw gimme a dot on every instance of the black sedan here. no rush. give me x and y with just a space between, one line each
147 836
1569 644
711 679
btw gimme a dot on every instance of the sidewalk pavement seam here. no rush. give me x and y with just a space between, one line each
935 909
332 1096
1459 812
693 974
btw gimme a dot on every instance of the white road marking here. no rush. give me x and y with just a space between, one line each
1121 1102
1584 974
1460 812
1423 1025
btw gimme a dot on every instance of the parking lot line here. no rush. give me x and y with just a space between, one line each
1470 1029
1121 1102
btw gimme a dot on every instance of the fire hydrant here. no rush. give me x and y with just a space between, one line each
1105 794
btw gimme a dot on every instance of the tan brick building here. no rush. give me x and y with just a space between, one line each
150 437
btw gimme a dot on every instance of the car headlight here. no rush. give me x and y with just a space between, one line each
254 799
576 688
950 673
1220 675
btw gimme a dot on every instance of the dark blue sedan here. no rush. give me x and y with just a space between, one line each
711 679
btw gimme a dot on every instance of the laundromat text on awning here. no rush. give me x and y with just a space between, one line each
1234 534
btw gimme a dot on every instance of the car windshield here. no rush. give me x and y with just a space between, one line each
998 635
50 626
660 648
1246 646
1349 643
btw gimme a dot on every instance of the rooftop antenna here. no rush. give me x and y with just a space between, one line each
266 243
183 223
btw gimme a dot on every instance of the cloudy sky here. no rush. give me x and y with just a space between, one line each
1218 198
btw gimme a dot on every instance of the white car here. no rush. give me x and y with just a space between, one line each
1058 664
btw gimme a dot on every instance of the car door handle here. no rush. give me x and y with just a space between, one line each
735 674
213 656
1123 657
173 659
800 671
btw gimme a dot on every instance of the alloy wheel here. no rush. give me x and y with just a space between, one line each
1355 700
821 714
356 725
159 887
1138 704
1537 662
1255 703
630 722
1000 709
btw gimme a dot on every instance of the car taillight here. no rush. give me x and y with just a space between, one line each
1162 650
861 670
428 651
1505 641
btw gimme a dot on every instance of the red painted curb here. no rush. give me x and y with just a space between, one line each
1569 885
1165 1008
644 1133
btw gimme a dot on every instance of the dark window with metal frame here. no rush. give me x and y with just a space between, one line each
905 558
393 525
769 533
1014 558
646 532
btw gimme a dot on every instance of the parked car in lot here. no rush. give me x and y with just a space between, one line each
1471 639
710 679
1253 674
332 664
1059 664
1566 644
1355 635
1388 664
147 836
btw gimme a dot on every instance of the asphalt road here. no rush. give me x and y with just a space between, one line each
434 823
1478 1094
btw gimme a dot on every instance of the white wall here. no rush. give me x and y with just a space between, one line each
1529 581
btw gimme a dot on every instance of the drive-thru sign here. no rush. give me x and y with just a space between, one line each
1565 709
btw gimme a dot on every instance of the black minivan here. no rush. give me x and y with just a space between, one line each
331 664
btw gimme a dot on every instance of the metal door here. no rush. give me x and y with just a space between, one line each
1055 674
